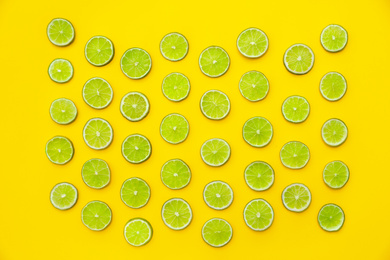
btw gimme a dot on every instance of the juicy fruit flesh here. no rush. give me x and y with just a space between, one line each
174 46
96 173
334 132
61 70
299 59
334 38
63 111
177 213
331 217
98 133
138 232
218 195
136 148
60 32
215 104
59 150
134 106
254 86
336 174
295 155
175 174
215 152
99 50
97 93
176 86
135 192
136 63
259 176
214 61
96 215
63 196
258 214
174 128
296 109
257 132
333 86
217 232
252 43
296 197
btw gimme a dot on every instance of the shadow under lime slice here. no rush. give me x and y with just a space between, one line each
60 70
215 105
136 148
259 176
294 155
296 197
331 217
98 133
254 86
218 195
214 61
336 174
296 109
334 132
175 174
299 59
63 196
257 132
60 32
97 93
59 150
63 111
176 87
252 43
96 215
174 46
333 86
99 51
217 232
334 38
258 215
215 152
138 232
134 106
135 192
136 63
96 173
174 128
176 214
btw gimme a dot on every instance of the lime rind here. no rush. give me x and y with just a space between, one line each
143 222
168 91
146 154
174 217
302 188
254 86
179 36
101 141
221 234
69 146
322 219
331 179
130 107
221 143
105 61
86 170
127 56
252 173
165 177
299 58
217 71
71 203
224 190
304 160
266 209
65 103
146 195
66 42
253 129
323 90
168 134
105 223
342 30
260 35
223 106
62 62
88 97
332 123
292 115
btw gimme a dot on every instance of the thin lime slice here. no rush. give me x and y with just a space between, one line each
174 46
96 173
214 61
215 105
254 86
97 93
296 197
63 196
296 109
331 217
136 63
217 232
333 86
60 32
215 152
174 128
257 131
138 232
259 176
295 155
135 192
336 174
99 51
136 148
59 150
175 174
98 133
299 59
134 106
60 70
252 43
334 38
176 87
334 132
63 111
96 215
258 215
176 214
218 195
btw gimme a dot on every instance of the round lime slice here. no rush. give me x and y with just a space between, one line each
258 215
215 105
336 174
138 232
334 132
254 86
60 32
135 192
257 131
136 63
63 111
259 176
215 152
217 232
334 38
63 196
333 86
99 51
294 155
331 217
96 215
174 128
98 133
296 109
96 173
176 87
176 214
296 197
218 195
252 43
136 148
134 106
214 61
175 174
59 150
174 46
299 59
60 70
97 93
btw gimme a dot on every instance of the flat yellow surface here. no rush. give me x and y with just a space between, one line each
31 228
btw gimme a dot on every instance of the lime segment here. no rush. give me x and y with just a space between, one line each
99 51
254 86
98 133
217 232
214 61
331 217
334 132
259 176
296 197
215 105
60 70
296 109
174 128
135 193
257 132
252 43
333 86
215 152
334 38
294 155
218 195
258 215
299 59
63 111
96 215
134 106
59 150
136 63
176 214
138 232
174 46
63 196
336 174
136 148
176 87
175 174
96 173
97 93
60 32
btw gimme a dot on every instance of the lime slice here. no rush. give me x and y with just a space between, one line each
296 197
218 195
215 105
60 32
217 232
259 176
176 87
138 232
176 214
258 215
98 133
254 86
63 196
99 51
334 38
257 131
135 193
175 174
96 173
334 132
97 93
252 43
299 59
214 61
63 111
331 217
136 148
336 174
296 109
136 63
59 150
174 128
60 70
174 46
96 215
134 106
333 86
294 155
215 152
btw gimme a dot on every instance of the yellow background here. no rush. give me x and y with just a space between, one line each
31 228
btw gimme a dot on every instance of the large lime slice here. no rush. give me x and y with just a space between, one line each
334 132
59 150
331 217
175 174
252 43
60 32
215 105
174 46
334 38
99 51
138 232
176 214
97 93
217 232
136 63
296 109
257 131
174 128
136 148
214 61
333 86
63 196
96 215
296 197
215 152
60 70
176 87
218 195
135 193
259 176
98 133
254 86
299 59
96 173
336 174
63 111
294 155
134 106
258 215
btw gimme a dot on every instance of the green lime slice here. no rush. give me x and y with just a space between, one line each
259 176
136 148
218 195
214 61
174 128
59 150
176 87
63 196
175 174
60 70
252 43
60 32
296 197
174 46
257 131
97 93
176 214
215 152
336 174
138 232
296 109
334 132
134 106
331 217
333 86
135 192
254 86
294 155
217 232
334 38
96 173
136 63
258 215
215 105
99 51
96 215
98 133
299 59
63 111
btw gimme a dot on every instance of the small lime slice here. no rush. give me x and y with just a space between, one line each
135 192
174 46
218 195
257 131
63 111
176 87
333 86
214 61
215 105
294 155
60 70
60 32
254 86
96 215
217 232
334 38
258 215
134 106
175 174
138 232
136 148
336 174
252 43
176 214
259 176
174 128
299 59
63 196
98 133
99 51
296 197
96 173
334 132
296 109
331 217
136 63
59 150
215 152
97 93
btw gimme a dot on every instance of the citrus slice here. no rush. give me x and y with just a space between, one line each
333 86
136 63
215 152
217 232
175 174
259 176
295 109
296 197
138 232
176 87
336 174
258 215
60 32
334 132
294 155
136 148
218 195
63 196
176 214
97 93
331 217
99 51
134 106
252 43
60 70
299 59
63 111
96 173
214 61
174 46
254 86
174 128
334 38
59 150
215 105
135 192
98 133
96 215
257 131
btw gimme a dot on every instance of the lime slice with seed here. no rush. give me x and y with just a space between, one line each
59 150
176 87
97 93
334 132
174 128
257 131
174 46
60 70
176 214
258 215
60 32
136 63
138 232
214 61
134 106
175 174
215 152
217 232
96 173
336 174
136 148
218 195
331 217
334 38
96 215
63 196
294 155
98 133
299 59
296 197
252 43
215 105
63 111
135 193
99 51
254 86
333 86
259 176
296 109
